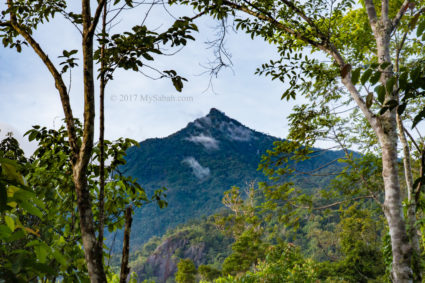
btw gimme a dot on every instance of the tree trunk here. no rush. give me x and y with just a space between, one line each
92 250
401 247
411 206
125 270
93 254
387 136
102 135
80 156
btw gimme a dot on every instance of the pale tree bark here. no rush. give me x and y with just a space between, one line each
386 131
384 126
411 201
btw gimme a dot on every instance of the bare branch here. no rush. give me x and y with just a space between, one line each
412 139
59 83
66 16
320 168
332 204
274 22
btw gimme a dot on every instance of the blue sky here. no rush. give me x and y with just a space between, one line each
29 97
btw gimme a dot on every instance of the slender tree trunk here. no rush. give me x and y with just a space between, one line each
80 155
387 135
93 254
411 207
125 270
401 247
102 135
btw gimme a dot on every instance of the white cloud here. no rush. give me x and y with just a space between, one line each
207 141
29 97
235 132
199 171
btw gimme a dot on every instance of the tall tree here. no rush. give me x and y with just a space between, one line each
125 51
353 35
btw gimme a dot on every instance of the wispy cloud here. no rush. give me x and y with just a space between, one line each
237 133
199 171
207 141
29 96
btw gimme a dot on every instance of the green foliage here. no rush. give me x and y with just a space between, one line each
208 273
29 249
246 252
9 148
132 50
198 239
283 263
158 162
39 225
186 271
29 15
360 242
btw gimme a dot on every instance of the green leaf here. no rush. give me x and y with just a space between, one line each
380 90
26 195
4 232
10 171
390 84
31 209
355 76
402 80
420 29
366 75
384 65
375 77
401 108
10 222
41 252
418 118
414 21
60 258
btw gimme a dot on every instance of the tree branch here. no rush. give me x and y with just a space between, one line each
274 22
384 10
412 139
59 83
96 18
332 204
400 14
346 80
371 13
5 24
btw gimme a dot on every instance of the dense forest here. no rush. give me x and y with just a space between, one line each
217 201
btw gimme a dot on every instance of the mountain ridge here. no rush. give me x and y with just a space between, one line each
196 164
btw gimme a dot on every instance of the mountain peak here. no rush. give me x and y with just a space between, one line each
217 113
216 126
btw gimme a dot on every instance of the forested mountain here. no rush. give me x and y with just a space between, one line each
356 73
196 165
